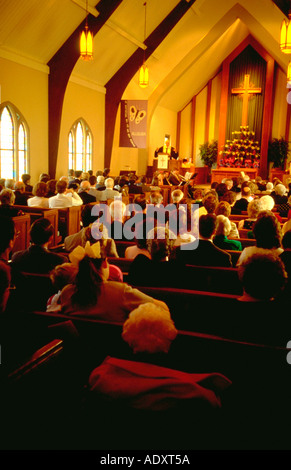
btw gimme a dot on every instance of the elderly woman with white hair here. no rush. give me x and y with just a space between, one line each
7 199
149 328
223 230
117 210
254 208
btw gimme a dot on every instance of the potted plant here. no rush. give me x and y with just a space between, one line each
208 154
278 152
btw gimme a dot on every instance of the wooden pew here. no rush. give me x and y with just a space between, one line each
250 416
69 220
165 190
202 278
50 214
22 228
245 241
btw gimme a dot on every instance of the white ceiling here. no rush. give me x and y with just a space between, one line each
181 66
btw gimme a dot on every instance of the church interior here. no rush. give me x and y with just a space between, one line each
216 75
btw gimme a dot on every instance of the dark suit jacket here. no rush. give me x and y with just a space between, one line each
206 254
9 211
36 259
86 197
145 272
173 154
174 180
240 205
20 198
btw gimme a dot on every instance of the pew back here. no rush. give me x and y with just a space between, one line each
22 228
50 214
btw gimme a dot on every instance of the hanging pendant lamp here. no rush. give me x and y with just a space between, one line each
143 80
86 41
285 35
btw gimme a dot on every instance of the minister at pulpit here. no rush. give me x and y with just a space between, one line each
167 150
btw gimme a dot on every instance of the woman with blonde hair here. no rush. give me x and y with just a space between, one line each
39 192
222 232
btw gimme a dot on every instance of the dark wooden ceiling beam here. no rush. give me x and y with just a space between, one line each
283 5
61 66
117 84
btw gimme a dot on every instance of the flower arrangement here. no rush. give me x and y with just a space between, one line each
242 151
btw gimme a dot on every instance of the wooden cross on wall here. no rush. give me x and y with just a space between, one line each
246 91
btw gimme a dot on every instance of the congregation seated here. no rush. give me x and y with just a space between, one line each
87 233
149 329
93 191
157 269
44 177
65 197
84 192
94 295
37 258
230 197
117 217
177 196
133 187
281 200
143 184
10 183
7 238
21 196
224 208
241 204
39 198
51 188
280 194
286 257
62 275
26 181
268 234
203 252
196 195
209 203
140 248
221 190
77 177
7 199
222 233
253 210
100 186
263 277
109 192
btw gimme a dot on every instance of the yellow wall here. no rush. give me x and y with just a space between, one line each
199 134
164 121
214 108
185 132
89 104
200 121
27 89
280 105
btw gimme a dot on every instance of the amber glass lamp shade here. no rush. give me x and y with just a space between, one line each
86 44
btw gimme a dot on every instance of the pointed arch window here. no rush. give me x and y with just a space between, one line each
80 146
13 143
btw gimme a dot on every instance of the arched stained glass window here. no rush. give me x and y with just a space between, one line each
21 150
13 143
80 146
71 151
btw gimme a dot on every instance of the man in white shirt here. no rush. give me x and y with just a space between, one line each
65 197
